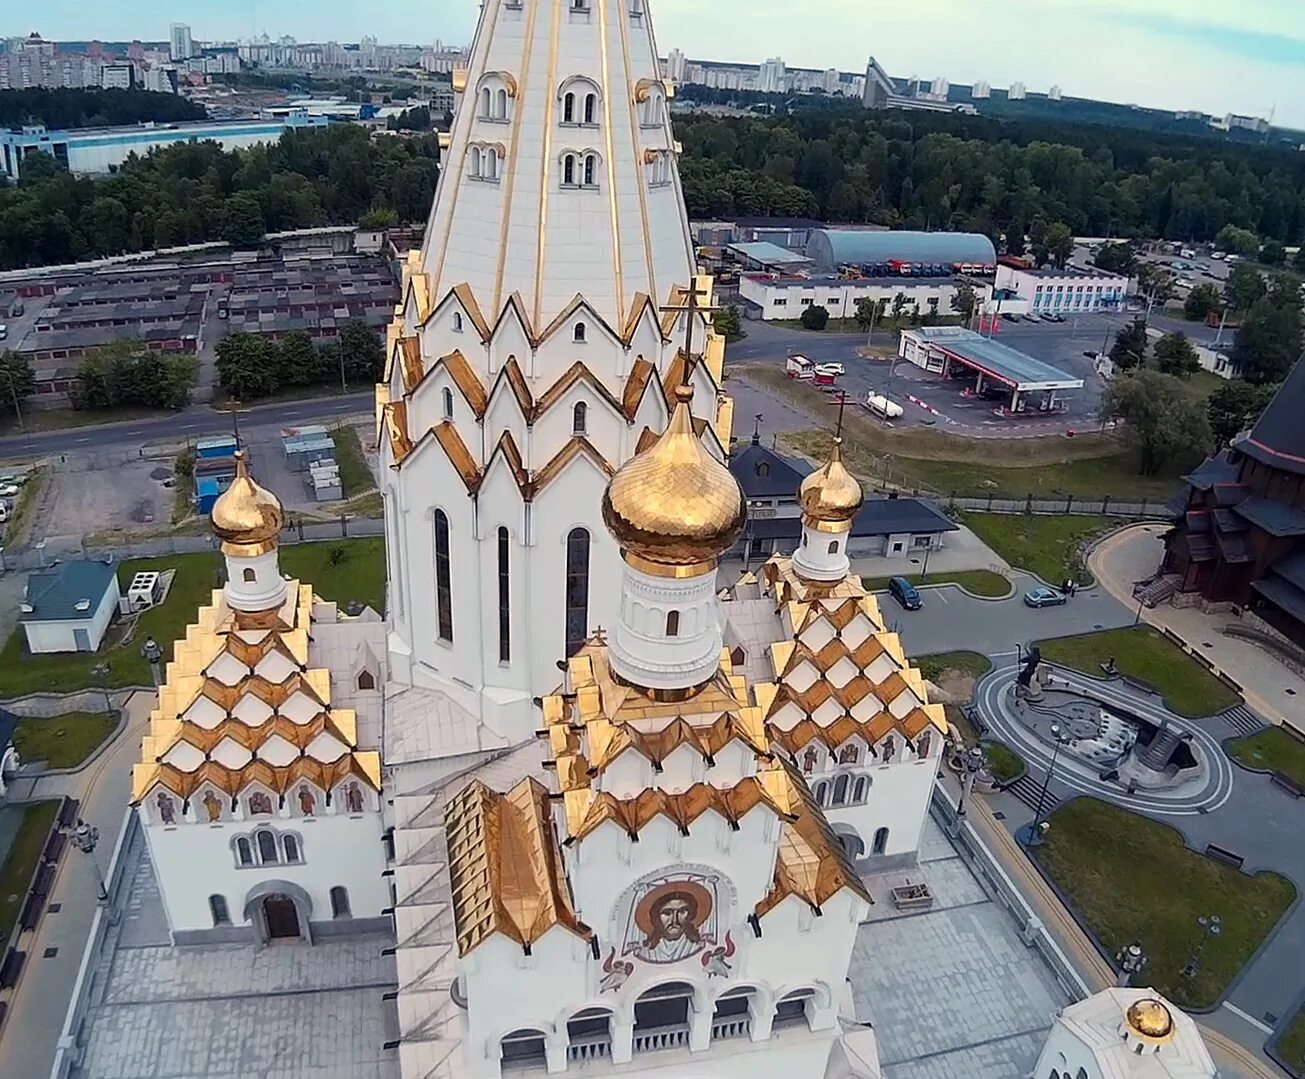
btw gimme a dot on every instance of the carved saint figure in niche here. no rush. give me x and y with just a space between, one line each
260 804
923 743
167 810
307 803
890 748
809 760
353 799
848 755
212 806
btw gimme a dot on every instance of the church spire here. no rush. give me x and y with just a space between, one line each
248 519
830 499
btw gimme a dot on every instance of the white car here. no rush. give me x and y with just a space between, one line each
1032 316
9 491
830 369
1218 256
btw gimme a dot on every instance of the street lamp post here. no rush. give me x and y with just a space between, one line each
1132 960
85 837
1033 832
100 672
1211 926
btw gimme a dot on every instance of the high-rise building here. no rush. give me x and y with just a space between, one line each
1054 93
772 78
675 65
879 86
182 48
981 90
830 80
939 89
1016 91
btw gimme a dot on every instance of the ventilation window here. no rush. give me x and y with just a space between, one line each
578 334
250 576
457 321
366 680
672 623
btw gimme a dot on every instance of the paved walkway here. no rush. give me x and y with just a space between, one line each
1271 688
37 1010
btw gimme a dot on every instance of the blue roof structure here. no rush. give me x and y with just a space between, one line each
832 248
57 593
993 359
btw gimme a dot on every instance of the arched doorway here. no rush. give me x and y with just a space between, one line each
279 910
280 918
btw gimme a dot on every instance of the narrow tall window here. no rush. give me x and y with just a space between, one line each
475 161
448 403
840 790
504 600
590 162
591 102
579 418
443 577
881 841
266 848
457 322
500 110
217 906
578 334
485 97
568 170
291 845
340 903
672 623
244 853
577 589
568 109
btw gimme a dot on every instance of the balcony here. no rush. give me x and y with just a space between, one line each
668 1037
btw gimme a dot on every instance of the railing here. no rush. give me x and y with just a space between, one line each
589 1047
731 1026
672 1037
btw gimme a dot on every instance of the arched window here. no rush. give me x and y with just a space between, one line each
732 1015
244 852
500 105
881 841
860 789
577 589
486 103
579 418
672 623
523 1048
366 680
579 333
340 902
475 162
591 163
792 1008
1081 1074
267 852
661 1017
447 398
504 600
820 792
250 576
443 575
217 906
763 469
591 105
840 791
491 164
568 170
457 321
589 1034
291 845
833 546
568 108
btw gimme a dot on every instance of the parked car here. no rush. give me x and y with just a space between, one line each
1010 317
4 331
1091 354
1044 597
1032 316
1054 316
8 490
830 369
905 593
1218 256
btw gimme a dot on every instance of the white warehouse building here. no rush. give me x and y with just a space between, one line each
783 296
1063 291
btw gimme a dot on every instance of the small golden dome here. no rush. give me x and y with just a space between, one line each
831 494
246 517
1150 1018
674 505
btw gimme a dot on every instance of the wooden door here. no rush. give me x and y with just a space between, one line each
281 917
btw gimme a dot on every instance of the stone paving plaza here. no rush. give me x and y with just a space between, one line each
951 991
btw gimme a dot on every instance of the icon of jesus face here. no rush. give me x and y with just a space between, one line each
675 914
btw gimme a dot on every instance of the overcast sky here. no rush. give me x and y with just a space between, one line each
1216 55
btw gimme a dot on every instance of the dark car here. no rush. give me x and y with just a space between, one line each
1044 597
905 593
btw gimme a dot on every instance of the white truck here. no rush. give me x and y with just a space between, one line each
882 406
799 367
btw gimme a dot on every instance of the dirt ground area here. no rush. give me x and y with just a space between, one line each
111 494
268 463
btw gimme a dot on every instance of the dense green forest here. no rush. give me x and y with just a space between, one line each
93 108
196 192
947 171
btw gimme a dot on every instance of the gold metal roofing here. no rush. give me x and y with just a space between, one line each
1151 1019
831 495
246 517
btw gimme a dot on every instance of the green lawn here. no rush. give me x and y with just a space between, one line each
1147 655
1004 763
63 741
1133 879
355 477
1291 1045
1273 749
357 571
20 862
1050 546
1092 478
981 582
940 664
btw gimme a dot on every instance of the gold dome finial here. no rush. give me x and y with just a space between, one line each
674 509
1148 1018
830 497
247 518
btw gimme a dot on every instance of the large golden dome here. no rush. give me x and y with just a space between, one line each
674 509
246 517
1150 1018
831 495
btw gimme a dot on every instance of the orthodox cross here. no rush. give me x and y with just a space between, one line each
842 404
691 307
235 412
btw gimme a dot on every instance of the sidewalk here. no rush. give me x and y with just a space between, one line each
1270 687
37 1009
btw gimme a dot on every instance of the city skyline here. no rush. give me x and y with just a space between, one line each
1209 55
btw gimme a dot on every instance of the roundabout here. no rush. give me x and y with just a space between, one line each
1206 791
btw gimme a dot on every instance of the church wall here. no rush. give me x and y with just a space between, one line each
195 861
898 799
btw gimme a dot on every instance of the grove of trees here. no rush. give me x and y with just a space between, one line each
1164 419
93 108
196 192
128 374
250 365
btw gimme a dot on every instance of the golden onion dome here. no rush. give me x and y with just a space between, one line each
674 509
1150 1018
831 495
247 518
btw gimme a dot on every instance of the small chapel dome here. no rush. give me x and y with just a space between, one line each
831 494
247 518
1150 1018
674 505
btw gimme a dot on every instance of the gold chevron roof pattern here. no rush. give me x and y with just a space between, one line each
240 684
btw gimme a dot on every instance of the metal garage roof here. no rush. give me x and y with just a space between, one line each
836 247
1010 366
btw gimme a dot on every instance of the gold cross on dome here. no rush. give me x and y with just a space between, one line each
691 307
233 410
843 398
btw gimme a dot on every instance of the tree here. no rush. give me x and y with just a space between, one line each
728 322
1234 407
899 302
1273 253
363 351
17 380
242 221
1163 419
378 219
297 361
1269 341
1245 285
1202 300
1129 349
867 313
1052 242
127 374
815 317
1116 258
1238 241
1155 282
964 301
247 366
1175 355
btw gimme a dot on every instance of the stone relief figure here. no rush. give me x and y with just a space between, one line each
890 748
167 809
260 804
809 760
307 803
353 799
923 744
212 806
848 755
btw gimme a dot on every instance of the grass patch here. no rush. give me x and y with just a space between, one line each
1146 654
58 419
355 477
63 741
1131 878
941 664
1050 546
356 572
1003 762
1085 479
1273 749
20 521
183 491
20 862
1291 1044
982 582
